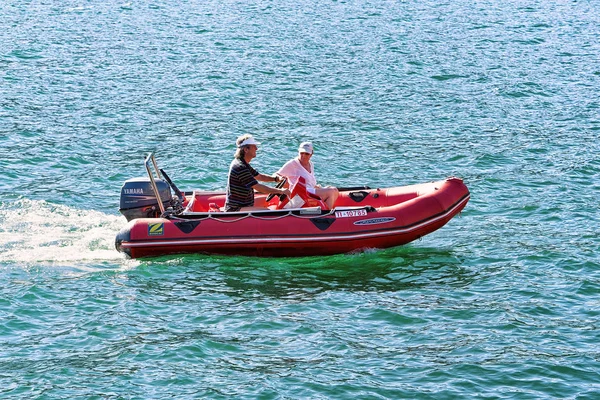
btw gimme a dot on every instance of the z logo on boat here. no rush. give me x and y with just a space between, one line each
156 229
375 221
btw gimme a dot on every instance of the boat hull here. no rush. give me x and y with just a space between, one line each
370 218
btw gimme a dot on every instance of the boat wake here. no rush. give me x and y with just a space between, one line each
38 232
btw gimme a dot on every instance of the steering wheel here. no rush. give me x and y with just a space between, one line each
278 186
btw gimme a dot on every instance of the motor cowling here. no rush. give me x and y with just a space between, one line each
139 201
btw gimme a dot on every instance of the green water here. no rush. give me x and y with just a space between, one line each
503 302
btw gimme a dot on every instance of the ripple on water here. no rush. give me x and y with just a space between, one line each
501 302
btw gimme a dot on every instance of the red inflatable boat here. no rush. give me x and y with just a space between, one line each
362 218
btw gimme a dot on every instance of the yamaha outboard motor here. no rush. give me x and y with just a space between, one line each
138 199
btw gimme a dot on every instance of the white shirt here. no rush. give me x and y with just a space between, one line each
293 170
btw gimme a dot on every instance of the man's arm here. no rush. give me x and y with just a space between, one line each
267 178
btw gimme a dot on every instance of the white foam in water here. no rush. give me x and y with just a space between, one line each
33 231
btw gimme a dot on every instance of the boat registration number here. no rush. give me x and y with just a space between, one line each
350 213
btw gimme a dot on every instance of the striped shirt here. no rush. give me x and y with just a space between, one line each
239 185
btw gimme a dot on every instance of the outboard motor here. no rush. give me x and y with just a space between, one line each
138 199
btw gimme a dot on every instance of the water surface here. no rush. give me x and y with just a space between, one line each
501 303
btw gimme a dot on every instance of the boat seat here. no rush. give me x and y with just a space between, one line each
195 206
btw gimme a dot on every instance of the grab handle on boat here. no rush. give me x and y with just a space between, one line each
153 182
151 158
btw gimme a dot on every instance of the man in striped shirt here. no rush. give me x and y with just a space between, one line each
243 179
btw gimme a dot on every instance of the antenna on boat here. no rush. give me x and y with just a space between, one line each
149 158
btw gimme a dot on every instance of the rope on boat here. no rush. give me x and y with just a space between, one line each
289 213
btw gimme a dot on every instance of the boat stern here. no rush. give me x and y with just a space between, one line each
124 235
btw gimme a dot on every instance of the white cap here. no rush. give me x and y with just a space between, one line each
305 147
250 140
